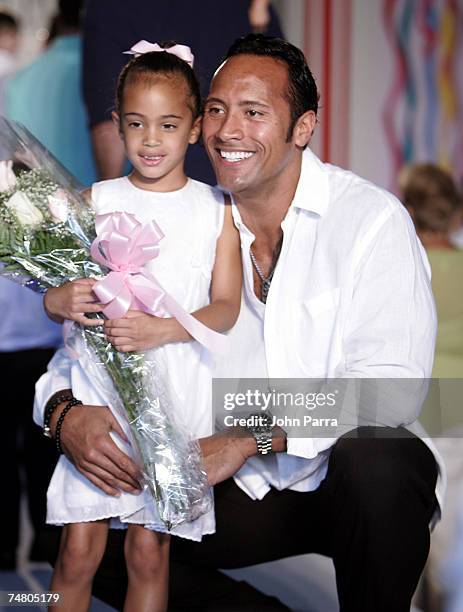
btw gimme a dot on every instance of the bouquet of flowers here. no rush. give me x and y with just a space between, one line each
47 230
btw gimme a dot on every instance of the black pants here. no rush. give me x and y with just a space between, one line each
370 515
22 444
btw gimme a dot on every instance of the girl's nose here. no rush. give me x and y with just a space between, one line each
152 139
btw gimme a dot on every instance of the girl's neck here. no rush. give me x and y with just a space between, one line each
159 186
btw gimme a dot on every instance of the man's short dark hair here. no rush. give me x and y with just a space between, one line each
302 94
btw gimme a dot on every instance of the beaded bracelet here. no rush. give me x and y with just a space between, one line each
59 423
50 408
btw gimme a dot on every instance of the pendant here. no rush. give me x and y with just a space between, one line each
265 290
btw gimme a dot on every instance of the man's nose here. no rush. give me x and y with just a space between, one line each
231 128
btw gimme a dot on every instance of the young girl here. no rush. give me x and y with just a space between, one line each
158 114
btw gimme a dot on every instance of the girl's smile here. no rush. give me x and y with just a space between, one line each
157 126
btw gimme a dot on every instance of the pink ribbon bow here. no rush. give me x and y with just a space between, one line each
181 51
124 245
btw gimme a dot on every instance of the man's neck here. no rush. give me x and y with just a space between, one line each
263 210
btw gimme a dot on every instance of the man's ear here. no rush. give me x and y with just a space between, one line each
304 128
117 122
195 131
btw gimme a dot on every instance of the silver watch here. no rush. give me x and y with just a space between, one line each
260 427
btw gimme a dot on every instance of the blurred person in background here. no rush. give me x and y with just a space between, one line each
27 343
435 204
46 96
113 26
9 40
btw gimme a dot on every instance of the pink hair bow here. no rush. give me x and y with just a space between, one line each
181 51
124 245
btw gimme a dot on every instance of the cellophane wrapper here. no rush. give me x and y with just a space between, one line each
46 230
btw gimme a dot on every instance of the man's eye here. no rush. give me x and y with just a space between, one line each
214 110
253 113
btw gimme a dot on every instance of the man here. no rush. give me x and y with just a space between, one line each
335 285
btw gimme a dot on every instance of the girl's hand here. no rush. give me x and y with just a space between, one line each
139 331
71 301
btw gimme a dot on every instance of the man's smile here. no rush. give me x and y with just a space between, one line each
235 156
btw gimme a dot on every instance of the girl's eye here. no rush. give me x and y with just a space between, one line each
135 124
169 126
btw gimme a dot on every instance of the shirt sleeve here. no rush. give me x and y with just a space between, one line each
389 336
56 378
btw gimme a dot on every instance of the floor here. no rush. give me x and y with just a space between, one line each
305 583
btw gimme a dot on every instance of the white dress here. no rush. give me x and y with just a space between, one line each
191 219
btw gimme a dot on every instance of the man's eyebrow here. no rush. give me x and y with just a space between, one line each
253 103
242 103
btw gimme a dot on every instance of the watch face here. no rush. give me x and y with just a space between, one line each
261 423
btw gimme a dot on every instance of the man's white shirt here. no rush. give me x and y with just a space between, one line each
350 299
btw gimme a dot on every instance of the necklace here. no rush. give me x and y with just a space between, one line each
266 281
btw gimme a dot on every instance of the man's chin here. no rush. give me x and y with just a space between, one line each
233 185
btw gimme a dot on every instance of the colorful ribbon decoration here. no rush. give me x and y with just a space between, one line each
124 245
181 51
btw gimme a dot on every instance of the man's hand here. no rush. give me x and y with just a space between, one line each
138 331
71 301
225 453
86 442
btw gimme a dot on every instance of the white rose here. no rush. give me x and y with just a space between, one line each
58 205
24 210
7 176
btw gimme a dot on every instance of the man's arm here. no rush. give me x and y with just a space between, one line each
226 452
85 434
388 339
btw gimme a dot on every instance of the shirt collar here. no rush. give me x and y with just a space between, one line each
238 220
312 193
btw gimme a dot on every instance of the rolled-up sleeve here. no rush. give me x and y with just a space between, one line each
56 378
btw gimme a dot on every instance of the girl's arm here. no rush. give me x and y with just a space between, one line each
73 299
139 331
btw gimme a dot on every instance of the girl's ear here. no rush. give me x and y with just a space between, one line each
117 122
304 128
195 132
